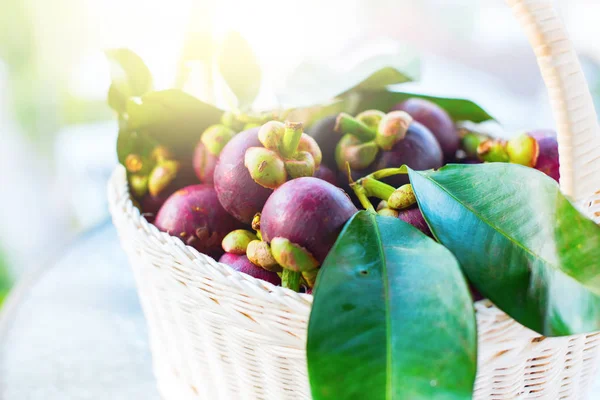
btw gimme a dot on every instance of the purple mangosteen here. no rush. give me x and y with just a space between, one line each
323 131
307 212
207 151
195 215
437 120
259 160
374 140
241 263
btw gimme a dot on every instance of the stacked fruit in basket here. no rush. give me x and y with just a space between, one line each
376 201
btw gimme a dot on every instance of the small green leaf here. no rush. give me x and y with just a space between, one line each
313 83
172 118
239 68
130 77
459 109
392 317
519 240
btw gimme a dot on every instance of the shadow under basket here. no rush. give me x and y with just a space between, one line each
218 334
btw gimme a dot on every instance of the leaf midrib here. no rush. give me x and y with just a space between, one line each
388 317
493 226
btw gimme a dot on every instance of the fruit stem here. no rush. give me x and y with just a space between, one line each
291 138
347 124
375 188
291 280
361 193
387 172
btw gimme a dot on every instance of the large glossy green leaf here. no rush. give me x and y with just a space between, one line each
459 109
130 77
519 240
240 69
312 83
392 317
173 118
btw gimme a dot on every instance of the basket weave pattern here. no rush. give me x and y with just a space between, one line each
218 334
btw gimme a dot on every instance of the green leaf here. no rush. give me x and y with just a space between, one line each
313 83
239 68
519 240
130 77
459 109
172 118
5 279
392 317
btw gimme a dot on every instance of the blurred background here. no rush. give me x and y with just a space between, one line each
58 134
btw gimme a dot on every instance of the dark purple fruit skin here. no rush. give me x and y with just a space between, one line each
472 161
308 212
475 293
326 174
204 163
327 139
548 161
195 215
437 120
414 217
241 264
237 191
419 150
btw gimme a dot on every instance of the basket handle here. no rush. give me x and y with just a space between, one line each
570 98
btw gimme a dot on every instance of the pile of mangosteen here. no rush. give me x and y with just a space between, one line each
270 197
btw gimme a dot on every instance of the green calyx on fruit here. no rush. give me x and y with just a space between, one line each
493 151
266 167
256 222
350 150
302 165
259 253
392 128
160 154
388 212
371 118
371 186
215 137
345 123
470 142
138 185
291 256
134 163
310 277
523 149
310 145
237 241
162 175
271 134
287 152
366 134
402 198
384 210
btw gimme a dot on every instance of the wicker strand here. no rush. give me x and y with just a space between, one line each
570 98
219 334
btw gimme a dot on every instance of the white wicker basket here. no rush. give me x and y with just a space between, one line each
219 334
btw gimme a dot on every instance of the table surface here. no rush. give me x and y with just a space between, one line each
74 330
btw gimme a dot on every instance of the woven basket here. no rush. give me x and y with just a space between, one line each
219 334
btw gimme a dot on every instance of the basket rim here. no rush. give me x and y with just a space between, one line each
121 205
